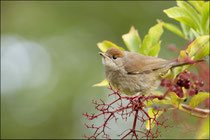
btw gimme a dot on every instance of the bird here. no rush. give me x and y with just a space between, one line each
132 73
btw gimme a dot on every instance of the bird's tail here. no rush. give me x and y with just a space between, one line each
191 62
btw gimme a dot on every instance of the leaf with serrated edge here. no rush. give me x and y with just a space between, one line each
132 40
198 98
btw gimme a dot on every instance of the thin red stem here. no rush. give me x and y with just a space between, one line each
134 122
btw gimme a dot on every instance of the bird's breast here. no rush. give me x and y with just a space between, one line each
128 84
132 84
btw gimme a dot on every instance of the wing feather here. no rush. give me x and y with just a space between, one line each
137 63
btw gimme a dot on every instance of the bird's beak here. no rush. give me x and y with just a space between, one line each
103 54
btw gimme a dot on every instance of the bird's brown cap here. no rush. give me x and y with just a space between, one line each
114 52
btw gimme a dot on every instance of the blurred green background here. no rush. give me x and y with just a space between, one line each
50 62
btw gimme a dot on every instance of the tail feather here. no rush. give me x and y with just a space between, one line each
176 64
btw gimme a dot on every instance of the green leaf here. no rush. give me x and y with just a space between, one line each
156 101
197 4
205 18
167 74
185 92
152 39
154 114
197 44
197 99
194 34
132 40
157 93
179 14
176 71
173 28
186 31
154 51
102 83
183 56
105 45
203 131
191 13
203 52
175 100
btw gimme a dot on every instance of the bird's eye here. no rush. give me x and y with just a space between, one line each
114 57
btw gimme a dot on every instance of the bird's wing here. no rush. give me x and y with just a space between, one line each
137 63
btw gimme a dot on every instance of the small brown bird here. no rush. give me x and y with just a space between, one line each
133 73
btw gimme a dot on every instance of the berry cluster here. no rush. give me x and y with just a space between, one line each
188 80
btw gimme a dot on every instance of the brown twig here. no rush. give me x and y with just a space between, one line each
202 113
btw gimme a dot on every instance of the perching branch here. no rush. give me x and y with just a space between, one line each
201 113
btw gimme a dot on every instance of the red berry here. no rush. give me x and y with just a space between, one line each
191 92
187 72
188 80
180 82
193 86
183 76
179 88
201 83
196 82
187 86
196 90
180 94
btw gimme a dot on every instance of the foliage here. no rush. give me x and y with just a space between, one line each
198 98
181 84
193 17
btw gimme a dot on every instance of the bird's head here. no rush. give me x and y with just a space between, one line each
112 58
